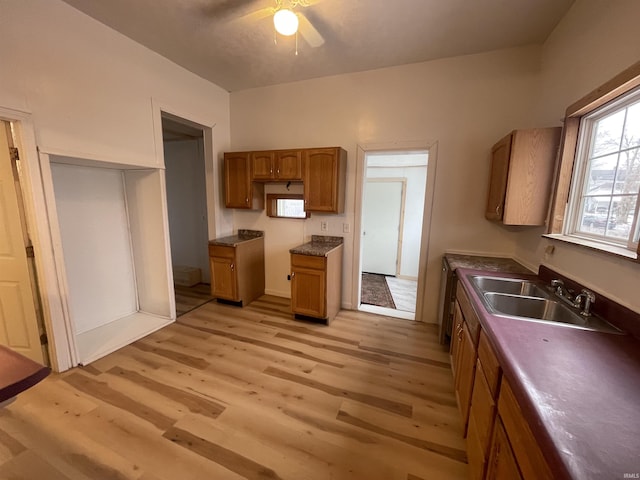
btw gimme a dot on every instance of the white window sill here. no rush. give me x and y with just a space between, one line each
593 245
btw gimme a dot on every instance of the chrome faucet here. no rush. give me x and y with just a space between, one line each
559 288
589 299
583 300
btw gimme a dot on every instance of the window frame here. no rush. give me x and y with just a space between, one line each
272 207
621 84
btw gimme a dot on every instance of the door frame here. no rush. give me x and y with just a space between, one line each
37 218
403 197
431 147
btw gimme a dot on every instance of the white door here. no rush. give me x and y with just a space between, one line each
18 321
381 215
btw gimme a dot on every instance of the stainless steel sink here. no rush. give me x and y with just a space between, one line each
522 299
513 286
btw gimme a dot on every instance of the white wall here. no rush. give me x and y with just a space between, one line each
187 204
464 103
595 41
90 89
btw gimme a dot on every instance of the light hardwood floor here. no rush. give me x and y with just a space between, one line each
230 393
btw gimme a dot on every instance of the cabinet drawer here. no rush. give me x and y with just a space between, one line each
222 251
490 365
308 261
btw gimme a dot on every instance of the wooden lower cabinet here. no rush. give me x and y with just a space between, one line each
481 421
500 444
464 352
465 377
223 277
528 455
237 271
456 339
316 284
502 462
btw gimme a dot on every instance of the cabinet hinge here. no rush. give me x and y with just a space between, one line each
30 252
44 340
15 155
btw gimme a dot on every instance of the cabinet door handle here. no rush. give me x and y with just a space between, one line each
246 200
498 210
278 172
233 267
293 274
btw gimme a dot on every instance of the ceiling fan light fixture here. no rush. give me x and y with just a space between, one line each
286 22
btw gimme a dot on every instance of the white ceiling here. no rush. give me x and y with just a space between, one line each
216 40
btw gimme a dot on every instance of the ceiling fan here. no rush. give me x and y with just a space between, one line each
288 21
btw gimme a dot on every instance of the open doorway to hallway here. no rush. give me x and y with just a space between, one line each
183 143
391 231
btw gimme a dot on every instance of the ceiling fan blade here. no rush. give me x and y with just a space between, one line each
258 14
309 32
224 8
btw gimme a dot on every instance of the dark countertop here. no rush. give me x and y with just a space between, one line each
481 262
319 246
241 236
17 373
578 389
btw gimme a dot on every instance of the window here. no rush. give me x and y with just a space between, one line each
603 205
596 196
284 205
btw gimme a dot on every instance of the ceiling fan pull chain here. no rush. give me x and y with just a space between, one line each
296 43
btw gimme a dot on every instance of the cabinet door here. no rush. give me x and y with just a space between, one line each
481 420
526 450
465 374
502 463
308 292
289 165
223 278
321 179
500 154
262 163
237 180
456 339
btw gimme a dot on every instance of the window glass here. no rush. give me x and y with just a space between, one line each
291 208
286 205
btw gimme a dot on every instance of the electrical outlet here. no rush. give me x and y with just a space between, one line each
346 228
323 226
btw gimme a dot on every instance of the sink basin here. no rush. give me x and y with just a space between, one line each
512 286
543 310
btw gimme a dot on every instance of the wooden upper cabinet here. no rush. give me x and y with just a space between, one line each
239 190
322 170
288 165
263 165
522 166
277 166
324 173
500 154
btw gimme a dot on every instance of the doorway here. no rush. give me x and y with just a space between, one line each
21 321
393 197
183 144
